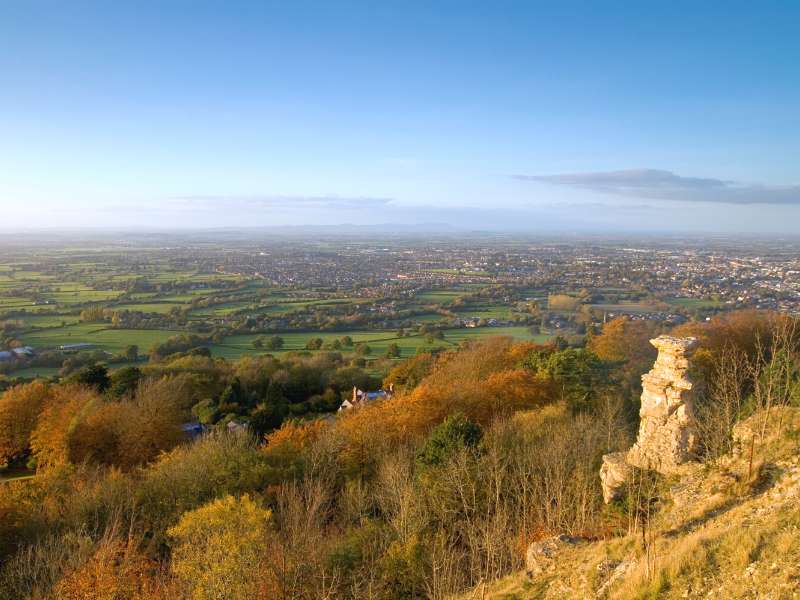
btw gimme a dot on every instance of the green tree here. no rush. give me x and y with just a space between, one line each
275 342
131 353
94 376
454 433
314 344
232 396
393 351
579 373
124 381
411 372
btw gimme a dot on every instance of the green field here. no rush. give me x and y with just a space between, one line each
151 307
438 296
693 303
378 341
32 372
485 311
456 336
54 320
104 338
42 301
631 307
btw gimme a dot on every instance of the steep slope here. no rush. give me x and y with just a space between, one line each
726 530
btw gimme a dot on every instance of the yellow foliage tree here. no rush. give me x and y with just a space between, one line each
62 413
219 548
19 409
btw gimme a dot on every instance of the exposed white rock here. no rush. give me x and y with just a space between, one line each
667 430
541 556
613 475
667 435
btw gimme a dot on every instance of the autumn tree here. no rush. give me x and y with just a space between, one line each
219 548
62 413
78 425
150 424
482 380
627 343
93 314
114 570
563 302
19 409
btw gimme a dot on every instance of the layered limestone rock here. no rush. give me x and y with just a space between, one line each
667 430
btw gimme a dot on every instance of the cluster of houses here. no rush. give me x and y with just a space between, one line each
476 322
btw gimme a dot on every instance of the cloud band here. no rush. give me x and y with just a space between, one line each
664 185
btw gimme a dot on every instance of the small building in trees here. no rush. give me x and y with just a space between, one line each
361 398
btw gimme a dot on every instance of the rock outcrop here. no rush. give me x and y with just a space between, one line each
667 430
541 557
613 474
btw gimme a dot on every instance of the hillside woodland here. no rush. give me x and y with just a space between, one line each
483 452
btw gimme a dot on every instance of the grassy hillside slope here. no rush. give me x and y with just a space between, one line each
718 533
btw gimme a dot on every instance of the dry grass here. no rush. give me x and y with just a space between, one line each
731 531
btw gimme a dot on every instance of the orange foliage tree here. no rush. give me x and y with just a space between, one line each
627 342
115 570
19 409
740 329
482 380
78 425
295 436
63 411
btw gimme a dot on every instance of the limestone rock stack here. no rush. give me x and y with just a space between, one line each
667 430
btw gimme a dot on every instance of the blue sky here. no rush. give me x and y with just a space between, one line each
612 116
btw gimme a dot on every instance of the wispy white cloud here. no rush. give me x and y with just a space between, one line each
256 202
664 185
